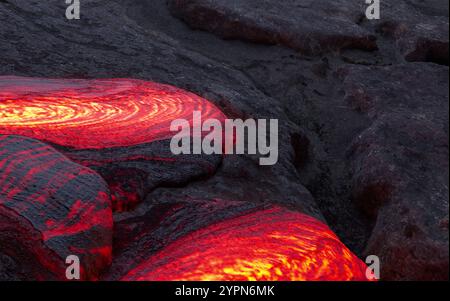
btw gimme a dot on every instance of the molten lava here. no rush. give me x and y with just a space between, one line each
272 244
94 114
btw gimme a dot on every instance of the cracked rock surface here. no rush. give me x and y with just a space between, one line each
363 110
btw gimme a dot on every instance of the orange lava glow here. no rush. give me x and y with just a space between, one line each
93 114
269 244
272 244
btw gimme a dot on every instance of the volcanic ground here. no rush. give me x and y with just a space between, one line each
86 169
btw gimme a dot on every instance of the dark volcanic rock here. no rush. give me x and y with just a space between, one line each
135 171
431 7
171 213
426 42
144 53
51 208
418 36
10 270
400 166
337 148
311 27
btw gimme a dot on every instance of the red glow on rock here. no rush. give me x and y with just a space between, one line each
93 114
272 244
50 206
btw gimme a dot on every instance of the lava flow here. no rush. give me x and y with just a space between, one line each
51 207
271 244
95 114
107 117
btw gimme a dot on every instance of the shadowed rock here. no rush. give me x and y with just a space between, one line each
312 27
419 36
135 171
400 166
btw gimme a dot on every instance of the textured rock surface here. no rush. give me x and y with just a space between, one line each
311 27
420 29
400 166
51 208
321 156
134 172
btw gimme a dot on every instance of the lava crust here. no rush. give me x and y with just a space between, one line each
51 208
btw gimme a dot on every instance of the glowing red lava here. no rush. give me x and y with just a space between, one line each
93 114
50 208
272 244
